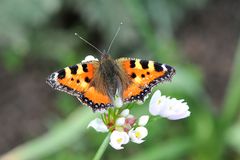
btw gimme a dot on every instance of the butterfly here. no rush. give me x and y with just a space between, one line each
96 83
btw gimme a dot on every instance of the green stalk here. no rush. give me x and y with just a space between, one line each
231 104
103 116
102 148
109 114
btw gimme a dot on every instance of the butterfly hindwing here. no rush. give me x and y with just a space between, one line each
143 75
76 80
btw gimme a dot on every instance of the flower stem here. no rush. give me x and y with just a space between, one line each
102 148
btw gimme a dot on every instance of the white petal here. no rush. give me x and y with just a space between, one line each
120 121
154 103
89 58
115 145
138 134
118 102
143 120
159 107
180 116
125 137
164 109
98 125
155 96
118 138
143 131
125 113
135 140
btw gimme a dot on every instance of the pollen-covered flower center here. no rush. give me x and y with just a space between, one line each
158 101
138 134
119 140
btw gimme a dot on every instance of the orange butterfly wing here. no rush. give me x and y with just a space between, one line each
143 75
76 80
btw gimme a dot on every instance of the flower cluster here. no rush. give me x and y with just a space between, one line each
125 127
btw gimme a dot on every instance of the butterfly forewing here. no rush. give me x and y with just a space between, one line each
76 80
143 75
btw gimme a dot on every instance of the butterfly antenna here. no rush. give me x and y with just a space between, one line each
76 34
119 27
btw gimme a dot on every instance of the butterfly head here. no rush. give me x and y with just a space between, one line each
104 55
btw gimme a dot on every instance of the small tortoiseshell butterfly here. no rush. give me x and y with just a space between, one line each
95 83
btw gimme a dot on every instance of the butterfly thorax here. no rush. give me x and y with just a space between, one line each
109 79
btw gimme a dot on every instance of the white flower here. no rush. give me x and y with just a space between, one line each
172 109
98 125
125 113
138 134
89 58
118 138
175 109
156 102
143 120
120 121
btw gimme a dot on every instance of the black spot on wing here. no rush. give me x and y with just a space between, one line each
87 79
144 64
133 75
84 66
132 63
61 74
158 67
73 69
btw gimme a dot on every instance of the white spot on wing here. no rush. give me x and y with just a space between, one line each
164 67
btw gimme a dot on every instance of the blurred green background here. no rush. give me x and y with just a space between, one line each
200 38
